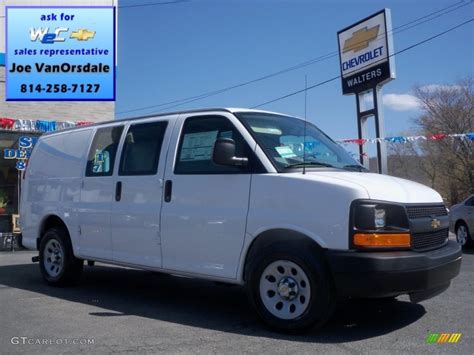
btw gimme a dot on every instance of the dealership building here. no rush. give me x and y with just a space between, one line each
20 119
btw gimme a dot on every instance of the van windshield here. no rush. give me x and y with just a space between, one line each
283 140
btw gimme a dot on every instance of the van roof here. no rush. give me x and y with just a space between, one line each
222 109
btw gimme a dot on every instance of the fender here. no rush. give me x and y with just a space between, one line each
49 221
267 237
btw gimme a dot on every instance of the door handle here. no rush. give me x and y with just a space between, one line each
168 190
118 191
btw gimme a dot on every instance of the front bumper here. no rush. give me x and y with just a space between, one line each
371 274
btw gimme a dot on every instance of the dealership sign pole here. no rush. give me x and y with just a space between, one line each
367 62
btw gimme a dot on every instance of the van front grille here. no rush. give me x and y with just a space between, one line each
429 240
426 211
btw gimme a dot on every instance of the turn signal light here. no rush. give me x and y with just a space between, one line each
392 240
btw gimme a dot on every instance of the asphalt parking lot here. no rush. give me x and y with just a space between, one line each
123 310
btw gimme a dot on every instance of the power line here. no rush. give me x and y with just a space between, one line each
396 53
413 23
147 4
154 4
298 92
310 62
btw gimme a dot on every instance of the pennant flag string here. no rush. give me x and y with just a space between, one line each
7 123
43 126
402 139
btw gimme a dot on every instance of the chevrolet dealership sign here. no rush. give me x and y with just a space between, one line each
365 52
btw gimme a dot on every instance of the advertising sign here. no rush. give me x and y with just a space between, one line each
365 52
60 53
23 153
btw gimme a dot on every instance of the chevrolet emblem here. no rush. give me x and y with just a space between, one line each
360 39
82 34
435 223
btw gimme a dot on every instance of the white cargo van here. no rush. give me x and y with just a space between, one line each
237 196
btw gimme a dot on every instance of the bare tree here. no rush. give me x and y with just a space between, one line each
446 164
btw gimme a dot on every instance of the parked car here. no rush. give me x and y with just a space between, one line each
239 196
461 220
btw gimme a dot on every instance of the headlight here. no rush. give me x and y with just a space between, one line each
376 224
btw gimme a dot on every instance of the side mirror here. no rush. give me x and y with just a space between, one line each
224 153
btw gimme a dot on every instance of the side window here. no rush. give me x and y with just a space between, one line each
470 202
197 142
100 161
142 147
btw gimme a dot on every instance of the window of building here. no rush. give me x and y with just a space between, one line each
10 175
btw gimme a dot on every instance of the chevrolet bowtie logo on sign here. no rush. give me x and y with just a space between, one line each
360 39
435 223
83 35
365 51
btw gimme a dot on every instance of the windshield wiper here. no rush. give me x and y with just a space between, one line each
355 166
310 163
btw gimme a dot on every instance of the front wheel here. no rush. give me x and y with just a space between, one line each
291 288
57 262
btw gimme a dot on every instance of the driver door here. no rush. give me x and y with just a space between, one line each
205 207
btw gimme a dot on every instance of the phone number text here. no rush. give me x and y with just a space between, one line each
56 88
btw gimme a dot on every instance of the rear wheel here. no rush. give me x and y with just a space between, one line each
290 287
57 262
463 236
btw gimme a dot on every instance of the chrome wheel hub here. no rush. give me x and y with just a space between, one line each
53 259
288 288
285 290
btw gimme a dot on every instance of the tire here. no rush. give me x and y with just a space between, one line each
291 288
463 236
58 265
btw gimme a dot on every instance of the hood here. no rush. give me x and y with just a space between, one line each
385 187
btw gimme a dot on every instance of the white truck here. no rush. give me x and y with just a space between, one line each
238 196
